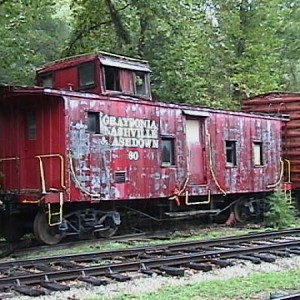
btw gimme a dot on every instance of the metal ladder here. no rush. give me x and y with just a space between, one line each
52 215
287 185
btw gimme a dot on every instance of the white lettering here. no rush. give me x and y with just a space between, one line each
129 132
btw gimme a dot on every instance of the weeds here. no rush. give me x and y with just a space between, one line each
280 213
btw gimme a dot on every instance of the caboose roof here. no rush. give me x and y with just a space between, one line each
107 59
187 109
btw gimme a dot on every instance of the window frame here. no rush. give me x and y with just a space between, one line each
172 154
145 78
32 126
261 153
231 160
86 85
45 76
96 127
116 79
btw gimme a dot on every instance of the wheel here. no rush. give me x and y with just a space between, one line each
109 227
245 210
46 234
109 232
12 229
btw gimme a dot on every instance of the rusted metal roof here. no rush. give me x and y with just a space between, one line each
105 58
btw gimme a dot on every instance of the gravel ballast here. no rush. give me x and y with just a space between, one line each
142 283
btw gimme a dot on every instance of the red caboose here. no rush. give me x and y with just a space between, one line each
90 144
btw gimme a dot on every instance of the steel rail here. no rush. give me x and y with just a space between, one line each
288 297
154 249
136 265
69 244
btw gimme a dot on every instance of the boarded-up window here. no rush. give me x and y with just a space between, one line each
167 151
31 126
86 75
112 79
93 122
230 153
258 153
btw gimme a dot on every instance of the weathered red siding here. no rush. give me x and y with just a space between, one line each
123 160
20 151
145 177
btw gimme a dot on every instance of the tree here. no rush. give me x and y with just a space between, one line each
209 52
250 30
31 36
290 46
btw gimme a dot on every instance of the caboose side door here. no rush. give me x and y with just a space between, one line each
195 141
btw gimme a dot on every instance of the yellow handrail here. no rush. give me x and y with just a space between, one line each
42 172
288 163
287 185
9 158
59 213
208 201
273 185
213 174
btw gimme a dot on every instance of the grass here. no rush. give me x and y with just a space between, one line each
192 234
74 250
251 287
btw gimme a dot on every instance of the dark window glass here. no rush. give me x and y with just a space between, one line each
231 153
112 79
93 122
31 126
167 151
86 75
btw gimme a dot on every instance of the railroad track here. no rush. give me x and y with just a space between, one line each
29 246
39 276
287 297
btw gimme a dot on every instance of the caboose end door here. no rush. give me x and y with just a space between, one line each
195 141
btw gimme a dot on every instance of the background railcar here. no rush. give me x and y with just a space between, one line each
286 103
91 144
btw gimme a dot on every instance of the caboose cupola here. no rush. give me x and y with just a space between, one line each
100 73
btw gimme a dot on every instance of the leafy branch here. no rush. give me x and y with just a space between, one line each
117 21
79 34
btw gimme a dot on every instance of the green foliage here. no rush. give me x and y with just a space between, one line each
290 47
202 52
279 214
210 53
30 36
